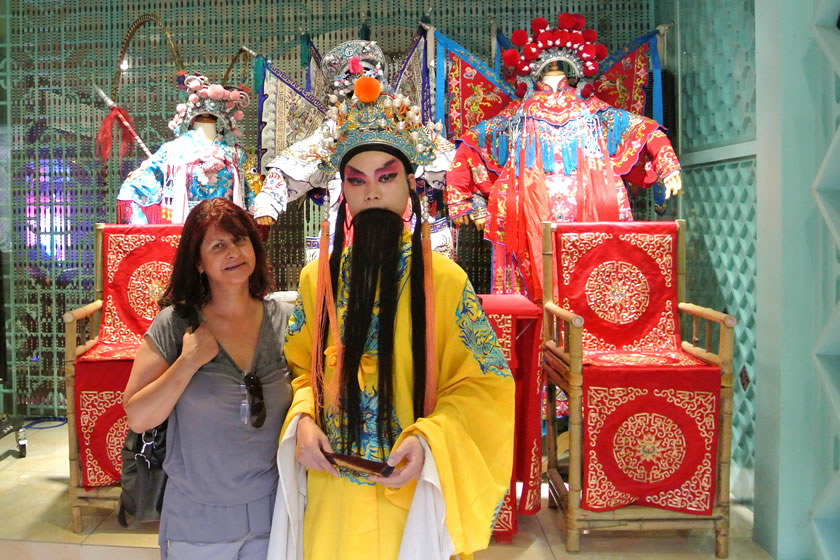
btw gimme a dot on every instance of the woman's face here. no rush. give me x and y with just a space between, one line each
375 180
227 259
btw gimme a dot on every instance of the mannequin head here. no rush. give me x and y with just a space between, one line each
205 125
553 77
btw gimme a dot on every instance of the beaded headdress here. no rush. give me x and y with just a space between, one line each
224 102
570 42
350 60
373 117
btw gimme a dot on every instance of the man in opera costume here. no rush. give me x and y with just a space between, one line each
394 361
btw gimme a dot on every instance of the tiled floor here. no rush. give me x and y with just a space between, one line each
35 522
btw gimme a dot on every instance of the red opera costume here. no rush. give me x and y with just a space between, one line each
560 154
567 158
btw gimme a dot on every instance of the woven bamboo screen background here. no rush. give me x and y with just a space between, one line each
54 189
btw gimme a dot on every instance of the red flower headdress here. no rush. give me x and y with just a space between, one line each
570 42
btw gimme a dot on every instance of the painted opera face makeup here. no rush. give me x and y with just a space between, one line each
376 180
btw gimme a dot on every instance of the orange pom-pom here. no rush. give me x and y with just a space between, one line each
367 89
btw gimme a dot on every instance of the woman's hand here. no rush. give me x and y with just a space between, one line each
199 347
412 452
311 444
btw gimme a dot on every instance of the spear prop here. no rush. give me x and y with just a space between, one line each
104 135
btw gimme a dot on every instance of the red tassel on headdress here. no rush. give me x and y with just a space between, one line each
431 347
104 135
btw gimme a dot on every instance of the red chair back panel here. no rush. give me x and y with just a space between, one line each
137 266
621 277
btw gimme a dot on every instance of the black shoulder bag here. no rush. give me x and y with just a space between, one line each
143 479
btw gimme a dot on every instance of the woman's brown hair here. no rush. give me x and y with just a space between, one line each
189 290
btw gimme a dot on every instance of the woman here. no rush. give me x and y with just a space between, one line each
212 363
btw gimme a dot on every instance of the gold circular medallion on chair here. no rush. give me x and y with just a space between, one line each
649 447
617 292
146 285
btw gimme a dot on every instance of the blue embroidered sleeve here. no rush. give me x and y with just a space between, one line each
478 335
145 184
298 318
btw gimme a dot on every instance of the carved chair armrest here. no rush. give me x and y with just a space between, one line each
726 341
71 319
563 343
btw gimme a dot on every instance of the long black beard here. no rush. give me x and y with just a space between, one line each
374 261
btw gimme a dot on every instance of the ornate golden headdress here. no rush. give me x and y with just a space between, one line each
374 118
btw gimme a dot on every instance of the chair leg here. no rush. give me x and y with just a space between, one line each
550 417
572 540
722 538
77 525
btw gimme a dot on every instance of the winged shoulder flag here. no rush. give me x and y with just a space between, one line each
468 90
286 112
626 73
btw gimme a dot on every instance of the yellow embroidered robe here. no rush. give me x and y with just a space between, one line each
470 432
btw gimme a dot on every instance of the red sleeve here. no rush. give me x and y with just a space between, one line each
466 176
657 161
665 162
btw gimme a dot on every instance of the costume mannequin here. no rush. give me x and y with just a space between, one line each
203 161
468 181
293 173
564 151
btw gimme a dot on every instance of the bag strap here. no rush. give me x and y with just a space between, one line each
144 467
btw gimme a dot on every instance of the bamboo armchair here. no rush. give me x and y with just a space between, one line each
80 335
563 352
131 268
